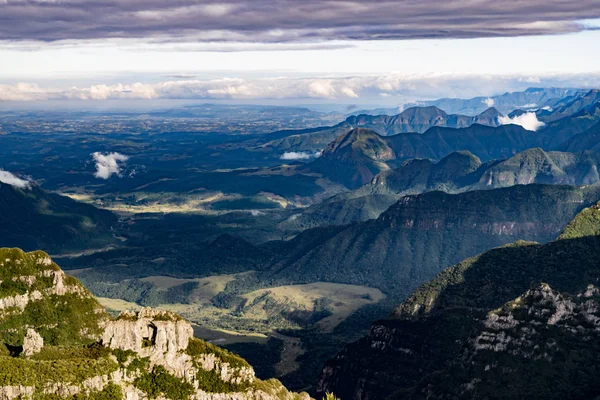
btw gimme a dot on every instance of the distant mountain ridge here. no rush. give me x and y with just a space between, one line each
568 106
565 128
456 173
569 113
462 171
371 153
588 140
416 119
420 119
505 103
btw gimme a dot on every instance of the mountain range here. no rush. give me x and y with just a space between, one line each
519 321
355 158
569 105
564 111
463 171
456 173
420 119
416 119
531 98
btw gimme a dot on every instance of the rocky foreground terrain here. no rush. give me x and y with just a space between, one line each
57 342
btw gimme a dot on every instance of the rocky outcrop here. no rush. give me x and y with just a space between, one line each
138 356
148 332
518 328
16 392
32 343
45 269
158 335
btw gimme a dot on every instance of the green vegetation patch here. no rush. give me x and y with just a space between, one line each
110 392
197 347
160 382
54 353
19 371
15 262
587 223
211 382
60 320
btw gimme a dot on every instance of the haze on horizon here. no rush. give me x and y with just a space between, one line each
286 52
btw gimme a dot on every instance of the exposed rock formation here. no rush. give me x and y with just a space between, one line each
138 356
148 332
518 327
32 343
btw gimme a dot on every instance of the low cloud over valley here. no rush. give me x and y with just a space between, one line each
108 164
10 179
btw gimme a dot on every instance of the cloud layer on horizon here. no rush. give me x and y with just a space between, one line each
287 21
334 88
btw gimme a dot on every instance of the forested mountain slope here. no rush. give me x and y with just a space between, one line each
520 321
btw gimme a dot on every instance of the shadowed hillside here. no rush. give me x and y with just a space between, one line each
32 218
524 313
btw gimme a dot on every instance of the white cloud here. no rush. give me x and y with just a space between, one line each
406 87
10 179
299 155
322 89
489 102
528 121
33 91
531 79
108 164
349 92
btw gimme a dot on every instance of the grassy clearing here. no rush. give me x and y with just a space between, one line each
207 288
345 299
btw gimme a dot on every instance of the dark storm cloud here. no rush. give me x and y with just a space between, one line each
279 21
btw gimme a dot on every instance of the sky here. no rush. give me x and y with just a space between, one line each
284 51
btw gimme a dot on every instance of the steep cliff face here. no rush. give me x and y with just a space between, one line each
56 341
36 294
420 235
458 172
535 342
419 119
489 328
354 158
